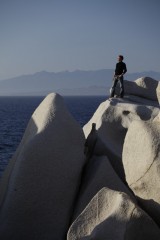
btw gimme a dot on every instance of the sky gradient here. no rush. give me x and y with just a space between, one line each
59 35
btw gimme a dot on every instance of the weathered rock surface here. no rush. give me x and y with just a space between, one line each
113 118
113 215
43 176
144 87
49 183
98 174
141 159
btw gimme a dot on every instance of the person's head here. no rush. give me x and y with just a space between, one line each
120 58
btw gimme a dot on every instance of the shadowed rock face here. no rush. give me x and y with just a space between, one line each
49 184
141 159
144 87
98 174
113 215
113 119
40 189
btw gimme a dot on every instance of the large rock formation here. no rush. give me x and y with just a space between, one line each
98 174
41 184
112 192
113 118
141 159
113 215
144 87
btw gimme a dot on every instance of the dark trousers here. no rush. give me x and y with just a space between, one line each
115 81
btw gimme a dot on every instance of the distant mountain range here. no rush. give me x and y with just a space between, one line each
77 82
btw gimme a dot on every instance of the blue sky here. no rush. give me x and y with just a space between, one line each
59 35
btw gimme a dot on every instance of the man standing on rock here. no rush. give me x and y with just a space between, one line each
120 70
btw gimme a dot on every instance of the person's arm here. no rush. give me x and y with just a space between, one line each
124 70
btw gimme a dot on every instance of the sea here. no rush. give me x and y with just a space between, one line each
15 113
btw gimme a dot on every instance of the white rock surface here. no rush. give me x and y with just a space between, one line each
157 118
145 87
39 188
98 174
113 119
113 215
49 182
141 159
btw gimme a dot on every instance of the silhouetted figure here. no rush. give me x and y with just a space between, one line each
120 70
90 142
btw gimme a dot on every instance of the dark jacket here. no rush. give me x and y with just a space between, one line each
120 68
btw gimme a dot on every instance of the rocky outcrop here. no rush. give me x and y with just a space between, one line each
98 174
42 183
144 87
113 118
141 160
101 186
113 215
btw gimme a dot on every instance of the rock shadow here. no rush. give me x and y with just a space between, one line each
151 207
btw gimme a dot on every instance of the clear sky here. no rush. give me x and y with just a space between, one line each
59 35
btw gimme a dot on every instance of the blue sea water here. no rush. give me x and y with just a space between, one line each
15 113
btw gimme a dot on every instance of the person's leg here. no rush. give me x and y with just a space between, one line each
115 80
121 87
